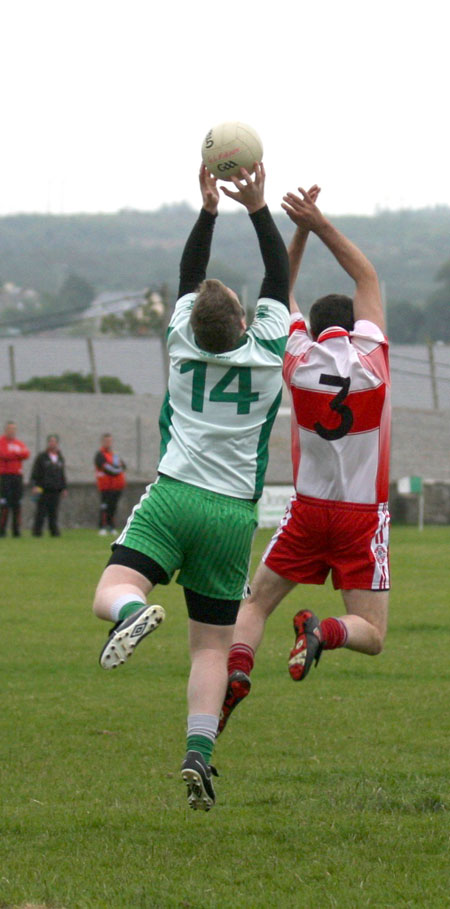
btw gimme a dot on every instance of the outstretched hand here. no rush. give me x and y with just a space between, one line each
314 192
209 191
250 193
303 211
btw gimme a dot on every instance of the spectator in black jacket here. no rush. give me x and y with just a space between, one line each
49 481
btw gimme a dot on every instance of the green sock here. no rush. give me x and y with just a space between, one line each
128 609
202 744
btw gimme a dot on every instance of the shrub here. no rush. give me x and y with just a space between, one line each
75 381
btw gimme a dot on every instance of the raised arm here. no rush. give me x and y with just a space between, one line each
250 193
296 249
195 258
367 303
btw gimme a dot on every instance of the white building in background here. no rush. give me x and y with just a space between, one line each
115 303
12 296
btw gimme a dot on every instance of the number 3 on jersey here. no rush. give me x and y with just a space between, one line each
243 396
337 405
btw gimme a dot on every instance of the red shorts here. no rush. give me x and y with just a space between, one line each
316 536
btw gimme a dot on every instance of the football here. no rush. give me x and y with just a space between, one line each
228 147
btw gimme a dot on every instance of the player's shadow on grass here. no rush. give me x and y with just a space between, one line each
378 673
415 629
426 803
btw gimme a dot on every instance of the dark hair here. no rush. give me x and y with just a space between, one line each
334 309
216 317
53 435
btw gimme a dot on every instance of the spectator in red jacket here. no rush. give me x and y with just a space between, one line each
110 478
12 453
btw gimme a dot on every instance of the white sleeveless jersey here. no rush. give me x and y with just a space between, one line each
340 392
219 409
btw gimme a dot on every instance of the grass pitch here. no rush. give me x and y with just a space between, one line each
333 792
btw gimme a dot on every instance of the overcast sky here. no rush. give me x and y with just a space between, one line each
105 105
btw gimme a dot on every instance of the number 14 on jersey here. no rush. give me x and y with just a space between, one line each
239 376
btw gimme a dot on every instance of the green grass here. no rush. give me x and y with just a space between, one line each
334 792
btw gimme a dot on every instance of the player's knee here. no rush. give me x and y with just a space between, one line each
262 600
377 642
259 605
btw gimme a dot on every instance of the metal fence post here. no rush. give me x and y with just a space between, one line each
91 354
38 432
12 367
434 390
138 445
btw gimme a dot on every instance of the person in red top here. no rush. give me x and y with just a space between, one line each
12 454
338 520
110 478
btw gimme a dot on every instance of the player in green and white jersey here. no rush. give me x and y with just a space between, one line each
199 516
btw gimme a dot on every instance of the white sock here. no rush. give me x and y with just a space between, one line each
122 601
203 724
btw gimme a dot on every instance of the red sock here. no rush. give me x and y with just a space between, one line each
334 633
241 656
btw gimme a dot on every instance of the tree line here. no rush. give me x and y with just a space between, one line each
409 323
69 259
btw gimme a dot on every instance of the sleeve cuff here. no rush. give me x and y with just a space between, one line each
261 215
207 217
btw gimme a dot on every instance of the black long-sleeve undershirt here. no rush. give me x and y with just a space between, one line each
276 263
195 258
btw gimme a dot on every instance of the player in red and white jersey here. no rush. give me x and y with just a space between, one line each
339 385
338 519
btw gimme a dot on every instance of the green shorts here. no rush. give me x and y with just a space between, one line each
204 535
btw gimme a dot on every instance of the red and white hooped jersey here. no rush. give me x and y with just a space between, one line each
340 422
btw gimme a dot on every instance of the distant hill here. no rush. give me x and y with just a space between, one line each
133 249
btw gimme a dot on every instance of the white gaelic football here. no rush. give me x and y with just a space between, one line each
228 147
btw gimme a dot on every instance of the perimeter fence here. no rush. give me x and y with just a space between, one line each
420 373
